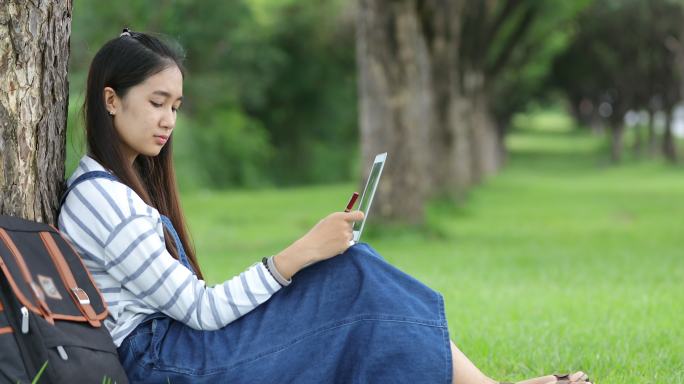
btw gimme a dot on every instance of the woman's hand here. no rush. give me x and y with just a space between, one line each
328 238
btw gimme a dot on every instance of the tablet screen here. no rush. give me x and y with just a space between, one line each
369 192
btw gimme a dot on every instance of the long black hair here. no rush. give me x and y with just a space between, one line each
122 63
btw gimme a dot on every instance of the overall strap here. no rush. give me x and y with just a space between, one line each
183 258
84 177
179 246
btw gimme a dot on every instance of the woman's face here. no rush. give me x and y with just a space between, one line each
145 117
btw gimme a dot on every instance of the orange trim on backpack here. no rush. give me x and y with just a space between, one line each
68 278
18 292
104 303
4 330
30 306
42 305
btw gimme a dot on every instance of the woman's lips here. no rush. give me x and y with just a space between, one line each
161 139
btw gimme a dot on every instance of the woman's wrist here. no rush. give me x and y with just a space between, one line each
270 266
291 260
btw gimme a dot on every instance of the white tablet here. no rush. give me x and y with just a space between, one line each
368 193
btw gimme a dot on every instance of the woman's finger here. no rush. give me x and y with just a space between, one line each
354 216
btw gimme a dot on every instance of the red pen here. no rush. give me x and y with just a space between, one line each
351 202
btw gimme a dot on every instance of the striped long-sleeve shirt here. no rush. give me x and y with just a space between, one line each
121 241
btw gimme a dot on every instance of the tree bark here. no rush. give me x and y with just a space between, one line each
450 161
34 52
669 148
616 135
460 154
638 140
484 141
652 137
397 107
502 152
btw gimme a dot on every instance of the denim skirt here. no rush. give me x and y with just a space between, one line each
351 319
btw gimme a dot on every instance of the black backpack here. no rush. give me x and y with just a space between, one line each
51 312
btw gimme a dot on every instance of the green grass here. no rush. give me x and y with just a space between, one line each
558 263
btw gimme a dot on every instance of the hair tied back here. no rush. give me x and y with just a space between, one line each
126 32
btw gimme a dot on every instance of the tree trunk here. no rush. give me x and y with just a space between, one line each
502 152
450 161
652 137
669 149
638 141
34 52
397 107
484 140
491 152
460 156
616 135
597 125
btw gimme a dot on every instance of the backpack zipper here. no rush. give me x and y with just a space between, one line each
24 320
62 353
25 328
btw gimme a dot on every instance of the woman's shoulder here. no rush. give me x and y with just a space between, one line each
95 209
100 196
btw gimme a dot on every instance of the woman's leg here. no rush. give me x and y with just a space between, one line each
465 372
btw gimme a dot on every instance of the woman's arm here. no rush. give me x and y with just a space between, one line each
137 257
123 236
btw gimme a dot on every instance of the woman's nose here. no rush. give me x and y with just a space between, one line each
168 120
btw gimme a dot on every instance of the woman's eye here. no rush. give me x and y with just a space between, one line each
156 105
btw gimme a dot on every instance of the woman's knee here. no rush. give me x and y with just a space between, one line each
364 249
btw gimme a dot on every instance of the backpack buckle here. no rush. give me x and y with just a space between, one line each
81 295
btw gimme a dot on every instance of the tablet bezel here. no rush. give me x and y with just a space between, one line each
380 158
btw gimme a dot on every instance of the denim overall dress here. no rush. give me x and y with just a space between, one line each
353 318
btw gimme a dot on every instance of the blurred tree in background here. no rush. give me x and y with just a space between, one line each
272 88
439 81
624 57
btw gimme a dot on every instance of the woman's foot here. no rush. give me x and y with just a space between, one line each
577 377
465 372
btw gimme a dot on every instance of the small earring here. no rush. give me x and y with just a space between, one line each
111 113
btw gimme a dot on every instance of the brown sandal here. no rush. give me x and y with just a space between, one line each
563 379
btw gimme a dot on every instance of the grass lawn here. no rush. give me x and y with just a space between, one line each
560 262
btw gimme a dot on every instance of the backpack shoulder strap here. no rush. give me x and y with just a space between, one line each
84 177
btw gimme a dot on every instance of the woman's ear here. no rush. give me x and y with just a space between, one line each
111 100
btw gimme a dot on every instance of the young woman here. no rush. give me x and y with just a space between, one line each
348 317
